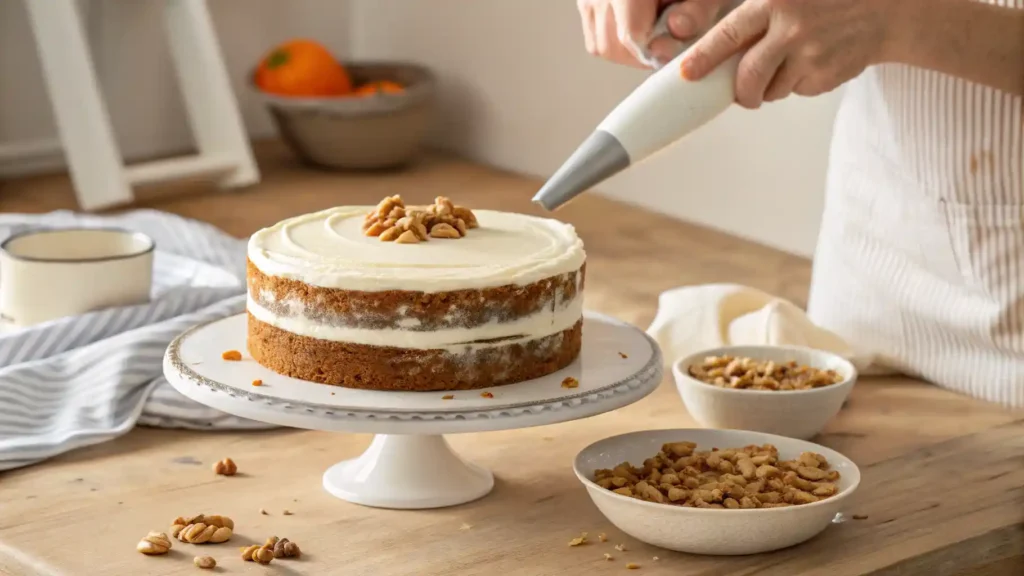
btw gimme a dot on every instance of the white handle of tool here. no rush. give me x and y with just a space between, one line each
666 106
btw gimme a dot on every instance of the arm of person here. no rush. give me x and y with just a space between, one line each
976 41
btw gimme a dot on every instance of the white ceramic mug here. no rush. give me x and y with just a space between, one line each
52 273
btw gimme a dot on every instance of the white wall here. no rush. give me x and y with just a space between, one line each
520 92
134 68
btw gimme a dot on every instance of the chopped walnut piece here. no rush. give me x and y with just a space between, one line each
450 218
443 230
620 547
392 221
570 382
732 478
384 216
608 557
225 467
260 554
232 356
283 548
154 544
467 216
750 374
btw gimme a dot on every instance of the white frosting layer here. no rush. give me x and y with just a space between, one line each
537 325
328 249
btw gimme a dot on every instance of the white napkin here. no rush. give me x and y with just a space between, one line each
695 318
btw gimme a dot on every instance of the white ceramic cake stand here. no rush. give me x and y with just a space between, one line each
409 464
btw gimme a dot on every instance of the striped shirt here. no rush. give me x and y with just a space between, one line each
920 259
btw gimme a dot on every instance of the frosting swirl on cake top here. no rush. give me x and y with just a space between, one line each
329 249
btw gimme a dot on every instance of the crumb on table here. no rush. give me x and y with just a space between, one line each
232 355
257 382
448 397
486 395
570 382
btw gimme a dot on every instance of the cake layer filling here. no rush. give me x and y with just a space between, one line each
537 325
329 249
412 310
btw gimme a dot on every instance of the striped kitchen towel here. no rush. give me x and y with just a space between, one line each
86 379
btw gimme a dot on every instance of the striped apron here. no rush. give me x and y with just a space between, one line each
920 258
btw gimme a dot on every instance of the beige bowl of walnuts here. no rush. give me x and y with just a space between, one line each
718 492
785 390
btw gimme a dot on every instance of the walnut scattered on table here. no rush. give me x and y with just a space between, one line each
751 374
260 554
154 544
733 478
283 548
203 529
225 467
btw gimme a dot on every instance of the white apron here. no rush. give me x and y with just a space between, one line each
920 259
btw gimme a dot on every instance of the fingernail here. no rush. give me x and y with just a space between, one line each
681 25
687 68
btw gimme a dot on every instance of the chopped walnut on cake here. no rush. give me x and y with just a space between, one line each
393 221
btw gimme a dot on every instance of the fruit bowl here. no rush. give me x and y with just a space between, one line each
358 132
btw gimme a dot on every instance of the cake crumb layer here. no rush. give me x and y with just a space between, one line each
417 311
398 369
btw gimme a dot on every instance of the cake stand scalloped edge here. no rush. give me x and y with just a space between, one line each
409 464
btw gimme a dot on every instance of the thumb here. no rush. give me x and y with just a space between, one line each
691 18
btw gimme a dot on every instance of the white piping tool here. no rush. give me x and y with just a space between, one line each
663 109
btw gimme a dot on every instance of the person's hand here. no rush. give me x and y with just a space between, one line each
805 47
616 29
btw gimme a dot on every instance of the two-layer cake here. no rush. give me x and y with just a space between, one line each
401 298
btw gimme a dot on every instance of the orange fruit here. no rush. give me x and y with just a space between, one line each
302 68
379 87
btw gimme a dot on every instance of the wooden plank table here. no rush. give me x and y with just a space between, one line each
943 484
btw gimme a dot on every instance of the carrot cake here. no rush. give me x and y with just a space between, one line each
404 298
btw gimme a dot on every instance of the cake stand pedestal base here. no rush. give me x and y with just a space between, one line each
408 472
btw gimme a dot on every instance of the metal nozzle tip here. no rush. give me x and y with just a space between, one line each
599 157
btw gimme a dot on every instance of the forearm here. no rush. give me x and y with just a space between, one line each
979 42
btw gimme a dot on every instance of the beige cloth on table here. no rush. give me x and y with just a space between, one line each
695 318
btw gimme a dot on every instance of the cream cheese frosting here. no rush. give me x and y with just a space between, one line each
329 249
537 325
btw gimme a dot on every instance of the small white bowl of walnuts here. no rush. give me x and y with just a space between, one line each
785 390
717 492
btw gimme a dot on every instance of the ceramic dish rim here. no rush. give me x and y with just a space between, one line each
148 246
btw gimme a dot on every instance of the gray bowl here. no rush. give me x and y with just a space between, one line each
351 132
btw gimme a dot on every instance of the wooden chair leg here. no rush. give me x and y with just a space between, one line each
212 108
94 160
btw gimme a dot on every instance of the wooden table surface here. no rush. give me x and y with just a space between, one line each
943 475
